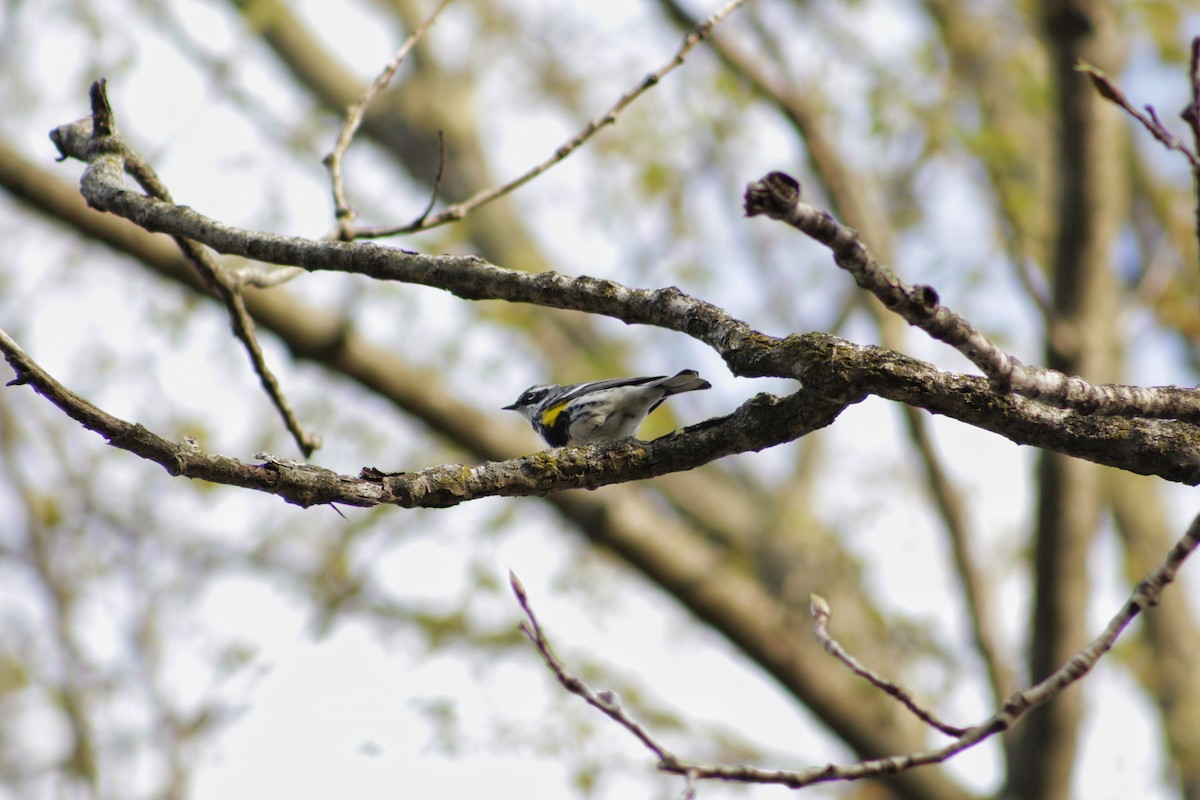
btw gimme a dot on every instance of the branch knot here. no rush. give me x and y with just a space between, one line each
774 195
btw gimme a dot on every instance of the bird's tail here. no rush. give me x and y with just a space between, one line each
687 380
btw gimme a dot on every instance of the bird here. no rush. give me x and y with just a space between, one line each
599 411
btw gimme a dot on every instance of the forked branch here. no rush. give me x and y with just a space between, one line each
457 211
96 140
354 116
777 195
1149 120
1144 595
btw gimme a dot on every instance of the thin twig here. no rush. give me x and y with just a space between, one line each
1144 595
1150 121
1149 118
354 117
604 701
224 284
976 589
457 211
821 613
437 182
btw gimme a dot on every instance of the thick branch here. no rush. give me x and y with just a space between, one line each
838 370
831 365
763 421
778 196
468 277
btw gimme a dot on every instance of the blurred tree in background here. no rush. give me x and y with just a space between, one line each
142 614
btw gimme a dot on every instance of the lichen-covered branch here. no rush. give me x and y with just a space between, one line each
777 196
832 369
763 421
99 133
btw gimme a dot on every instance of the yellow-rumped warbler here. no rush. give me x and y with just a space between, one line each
599 411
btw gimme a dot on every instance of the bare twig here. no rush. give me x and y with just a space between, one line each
778 196
457 211
354 116
1144 595
437 182
1150 121
604 701
821 614
101 136
1191 113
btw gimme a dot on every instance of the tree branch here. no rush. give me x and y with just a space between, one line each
778 196
839 371
99 135
1150 121
1145 594
354 117
821 614
763 421
459 210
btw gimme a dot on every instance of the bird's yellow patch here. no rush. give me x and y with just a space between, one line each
551 414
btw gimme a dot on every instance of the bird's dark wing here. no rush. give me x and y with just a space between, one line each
571 392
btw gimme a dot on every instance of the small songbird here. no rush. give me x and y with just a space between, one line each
599 411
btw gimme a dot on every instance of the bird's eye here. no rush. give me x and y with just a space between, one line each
532 396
